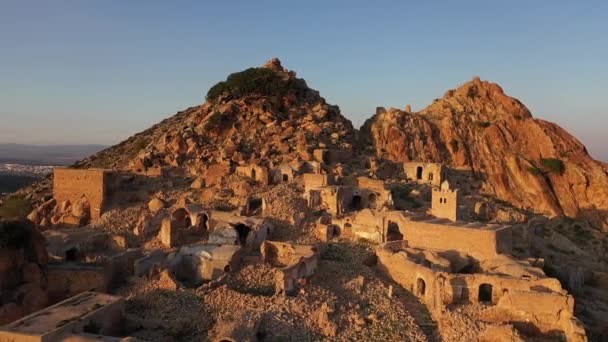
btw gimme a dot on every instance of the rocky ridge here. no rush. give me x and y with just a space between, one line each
261 115
477 128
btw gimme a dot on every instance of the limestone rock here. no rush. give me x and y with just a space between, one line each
198 183
156 204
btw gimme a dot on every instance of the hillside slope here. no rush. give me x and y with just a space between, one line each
529 162
264 115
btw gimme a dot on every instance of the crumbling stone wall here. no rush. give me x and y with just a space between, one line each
258 173
295 262
542 301
74 184
66 280
431 173
316 180
481 242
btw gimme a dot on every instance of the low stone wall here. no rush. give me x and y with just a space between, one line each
540 302
86 312
67 280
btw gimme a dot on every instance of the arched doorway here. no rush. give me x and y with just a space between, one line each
372 200
485 293
243 232
419 172
71 254
356 203
285 177
420 287
253 174
392 232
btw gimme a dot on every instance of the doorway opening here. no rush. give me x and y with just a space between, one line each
485 293
243 232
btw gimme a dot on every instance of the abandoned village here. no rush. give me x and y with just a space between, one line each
304 236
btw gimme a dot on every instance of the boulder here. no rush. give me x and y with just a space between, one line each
156 204
198 183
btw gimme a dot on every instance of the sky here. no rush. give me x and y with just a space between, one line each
98 71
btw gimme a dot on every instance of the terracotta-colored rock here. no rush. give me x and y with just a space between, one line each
156 204
479 127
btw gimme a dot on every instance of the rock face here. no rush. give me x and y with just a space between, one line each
261 115
528 162
23 256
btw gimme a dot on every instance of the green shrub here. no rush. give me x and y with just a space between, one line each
333 252
215 120
15 207
13 235
253 81
483 124
534 170
472 92
553 165
141 143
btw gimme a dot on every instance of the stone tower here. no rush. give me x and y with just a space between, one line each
445 202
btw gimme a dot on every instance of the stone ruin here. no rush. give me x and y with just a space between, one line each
295 263
437 255
431 173
86 316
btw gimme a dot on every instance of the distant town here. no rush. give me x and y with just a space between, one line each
26 170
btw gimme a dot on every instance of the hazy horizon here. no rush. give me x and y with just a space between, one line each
95 73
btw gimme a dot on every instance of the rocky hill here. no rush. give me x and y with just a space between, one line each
528 162
264 115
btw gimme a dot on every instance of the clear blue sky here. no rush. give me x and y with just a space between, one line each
99 71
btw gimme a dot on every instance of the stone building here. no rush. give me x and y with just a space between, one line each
431 173
474 238
256 172
94 186
517 289
445 202
295 263
197 263
282 174
227 228
84 316
340 199
190 219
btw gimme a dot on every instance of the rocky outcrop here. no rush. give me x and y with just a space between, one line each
263 115
528 162
23 257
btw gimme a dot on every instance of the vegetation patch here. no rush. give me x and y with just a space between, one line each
15 207
535 170
333 252
253 81
553 165
215 121
472 92
483 124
